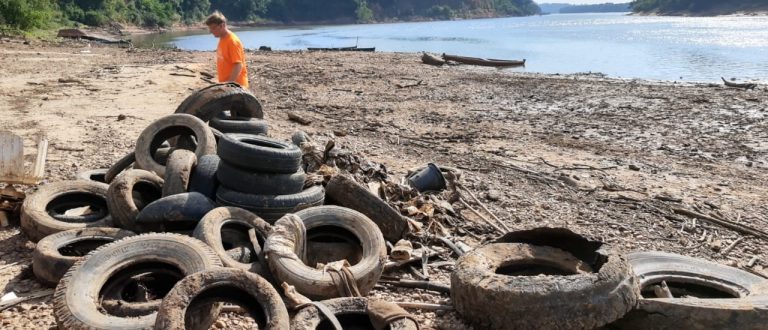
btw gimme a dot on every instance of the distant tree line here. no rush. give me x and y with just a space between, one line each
599 8
32 14
697 6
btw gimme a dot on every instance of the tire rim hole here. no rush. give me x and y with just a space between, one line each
78 207
234 235
326 244
564 239
223 293
261 143
98 177
82 247
185 138
533 268
144 193
352 321
141 282
690 289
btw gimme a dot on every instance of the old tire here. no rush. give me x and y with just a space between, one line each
75 301
119 166
168 127
271 207
259 153
209 230
722 297
55 253
246 125
37 221
251 182
490 287
315 283
97 175
212 100
131 192
350 312
203 179
238 286
175 212
178 169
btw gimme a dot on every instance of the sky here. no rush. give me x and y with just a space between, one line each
581 2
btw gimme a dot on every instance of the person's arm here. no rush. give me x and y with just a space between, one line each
235 71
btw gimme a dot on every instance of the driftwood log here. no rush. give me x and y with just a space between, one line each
739 85
348 193
431 59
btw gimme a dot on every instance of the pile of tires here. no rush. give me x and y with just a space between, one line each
263 175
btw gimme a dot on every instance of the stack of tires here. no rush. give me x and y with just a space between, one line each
263 175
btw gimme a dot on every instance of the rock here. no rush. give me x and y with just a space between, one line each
634 167
219 325
493 195
716 245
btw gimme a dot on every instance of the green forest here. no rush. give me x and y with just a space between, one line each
714 7
26 15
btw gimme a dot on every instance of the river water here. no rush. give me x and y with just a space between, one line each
700 49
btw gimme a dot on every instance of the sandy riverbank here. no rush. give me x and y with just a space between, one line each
608 149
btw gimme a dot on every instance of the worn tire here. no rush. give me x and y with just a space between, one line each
178 169
259 153
246 125
248 290
37 222
251 182
271 207
97 175
580 300
49 263
747 307
209 229
212 100
168 127
203 178
119 166
315 283
124 205
75 301
309 317
175 212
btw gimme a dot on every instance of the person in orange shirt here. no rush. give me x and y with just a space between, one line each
230 56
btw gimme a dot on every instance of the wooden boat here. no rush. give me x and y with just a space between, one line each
343 49
483 61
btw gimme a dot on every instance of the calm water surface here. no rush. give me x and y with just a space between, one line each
660 48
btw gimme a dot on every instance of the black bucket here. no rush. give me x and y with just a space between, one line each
429 178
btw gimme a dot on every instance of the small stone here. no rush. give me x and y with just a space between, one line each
219 325
716 245
634 167
493 195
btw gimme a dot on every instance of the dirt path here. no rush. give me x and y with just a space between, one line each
588 153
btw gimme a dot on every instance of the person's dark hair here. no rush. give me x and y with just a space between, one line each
216 18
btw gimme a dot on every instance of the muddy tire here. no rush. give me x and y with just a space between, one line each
209 231
203 178
119 166
244 125
259 153
97 175
260 182
496 287
177 172
351 313
209 287
131 192
76 299
37 221
722 297
271 207
166 128
175 212
315 283
56 253
212 100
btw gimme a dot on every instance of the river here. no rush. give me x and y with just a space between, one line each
693 49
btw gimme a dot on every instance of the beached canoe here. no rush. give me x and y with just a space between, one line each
343 49
483 61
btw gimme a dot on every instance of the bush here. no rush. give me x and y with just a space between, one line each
27 14
363 13
442 12
95 18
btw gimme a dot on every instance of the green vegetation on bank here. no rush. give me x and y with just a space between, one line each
598 8
26 15
706 7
